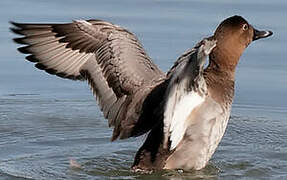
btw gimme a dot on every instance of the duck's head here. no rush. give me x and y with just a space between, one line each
233 35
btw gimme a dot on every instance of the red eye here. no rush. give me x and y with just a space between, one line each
245 27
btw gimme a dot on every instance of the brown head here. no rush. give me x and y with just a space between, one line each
233 35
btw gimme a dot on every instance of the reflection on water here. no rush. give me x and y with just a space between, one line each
46 121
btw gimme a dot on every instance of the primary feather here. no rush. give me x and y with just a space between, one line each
109 57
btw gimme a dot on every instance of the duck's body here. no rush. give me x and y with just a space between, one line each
185 110
198 120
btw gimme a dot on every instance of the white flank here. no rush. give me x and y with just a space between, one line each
176 113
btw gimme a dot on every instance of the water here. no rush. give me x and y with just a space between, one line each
47 121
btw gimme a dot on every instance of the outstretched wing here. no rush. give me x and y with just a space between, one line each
108 56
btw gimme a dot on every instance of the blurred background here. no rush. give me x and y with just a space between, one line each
45 121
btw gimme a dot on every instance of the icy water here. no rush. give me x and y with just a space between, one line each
46 121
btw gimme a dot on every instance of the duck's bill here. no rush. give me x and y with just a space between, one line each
261 34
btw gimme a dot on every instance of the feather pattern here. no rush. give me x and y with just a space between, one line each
186 91
109 57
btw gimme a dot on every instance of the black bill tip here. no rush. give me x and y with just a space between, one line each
261 34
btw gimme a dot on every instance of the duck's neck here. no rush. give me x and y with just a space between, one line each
225 58
219 75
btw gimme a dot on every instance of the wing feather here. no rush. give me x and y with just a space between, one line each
109 57
186 92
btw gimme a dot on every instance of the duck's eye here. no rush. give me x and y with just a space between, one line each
245 27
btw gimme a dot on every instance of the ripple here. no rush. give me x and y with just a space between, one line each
27 94
117 166
257 107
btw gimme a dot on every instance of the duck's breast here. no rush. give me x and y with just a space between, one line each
205 126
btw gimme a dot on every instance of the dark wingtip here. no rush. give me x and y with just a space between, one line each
19 40
51 71
14 23
16 30
32 58
40 66
24 50
113 138
115 134
16 27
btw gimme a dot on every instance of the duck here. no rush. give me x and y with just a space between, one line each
184 112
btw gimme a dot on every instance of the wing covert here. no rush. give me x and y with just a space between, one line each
111 58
